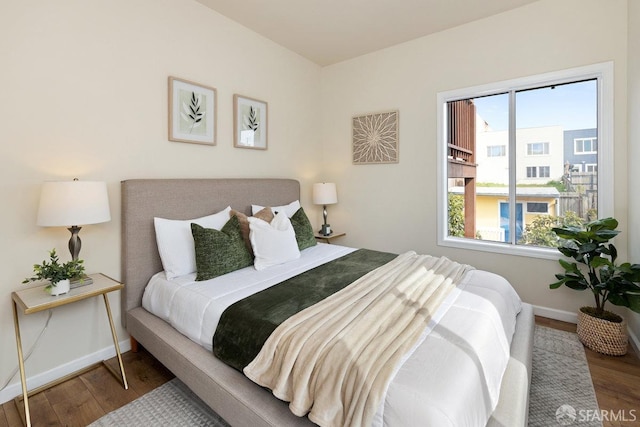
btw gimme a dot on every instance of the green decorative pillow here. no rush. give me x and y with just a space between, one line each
304 231
219 252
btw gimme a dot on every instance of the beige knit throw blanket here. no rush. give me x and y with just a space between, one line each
335 359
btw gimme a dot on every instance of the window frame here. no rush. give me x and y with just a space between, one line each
603 73
501 148
582 140
545 212
545 149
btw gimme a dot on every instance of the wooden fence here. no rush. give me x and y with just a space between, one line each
583 197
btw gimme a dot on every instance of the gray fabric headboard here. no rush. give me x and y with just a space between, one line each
144 199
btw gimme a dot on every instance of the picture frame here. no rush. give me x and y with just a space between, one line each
250 123
192 112
375 138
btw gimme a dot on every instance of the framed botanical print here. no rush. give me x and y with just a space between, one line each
250 123
192 112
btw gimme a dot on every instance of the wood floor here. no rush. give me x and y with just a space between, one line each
84 399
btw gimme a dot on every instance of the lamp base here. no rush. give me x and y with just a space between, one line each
326 230
81 281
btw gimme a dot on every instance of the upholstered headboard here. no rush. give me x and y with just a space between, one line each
144 199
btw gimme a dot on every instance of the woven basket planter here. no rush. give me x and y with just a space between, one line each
602 335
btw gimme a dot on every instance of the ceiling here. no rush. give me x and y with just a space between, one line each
330 31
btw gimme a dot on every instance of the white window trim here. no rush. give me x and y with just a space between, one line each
544 145
503 150
604 73
579 153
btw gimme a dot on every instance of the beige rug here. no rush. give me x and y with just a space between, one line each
562 391
171 404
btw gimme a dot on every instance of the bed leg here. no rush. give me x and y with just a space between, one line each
134 345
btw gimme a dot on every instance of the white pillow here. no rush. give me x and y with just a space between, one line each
175 241
273 243
289 209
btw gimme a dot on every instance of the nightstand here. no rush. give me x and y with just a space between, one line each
330 237
35 299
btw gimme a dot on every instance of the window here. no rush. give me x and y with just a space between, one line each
538 172
481 198
537 207
585 145
496 150
538 149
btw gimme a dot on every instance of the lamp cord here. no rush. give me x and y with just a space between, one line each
28 353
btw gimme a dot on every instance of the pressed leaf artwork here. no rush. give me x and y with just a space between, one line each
192 114
251 130
375 138
251 120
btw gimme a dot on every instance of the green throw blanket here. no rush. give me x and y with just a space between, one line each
246 325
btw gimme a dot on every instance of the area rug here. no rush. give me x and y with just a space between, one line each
561 392
171 404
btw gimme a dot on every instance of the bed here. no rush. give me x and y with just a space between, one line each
226 390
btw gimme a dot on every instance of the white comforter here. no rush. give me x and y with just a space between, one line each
451 378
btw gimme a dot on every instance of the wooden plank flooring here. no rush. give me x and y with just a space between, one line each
84 399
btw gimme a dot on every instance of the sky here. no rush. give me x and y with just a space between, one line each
572 106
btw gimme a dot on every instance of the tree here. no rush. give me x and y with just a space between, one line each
456 215
540 231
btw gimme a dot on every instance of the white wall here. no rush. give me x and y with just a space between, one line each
84 94
393 207
633 90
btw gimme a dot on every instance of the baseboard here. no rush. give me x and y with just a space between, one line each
567 316
35 381
552 313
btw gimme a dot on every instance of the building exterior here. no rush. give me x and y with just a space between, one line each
539 156
543 154
492 213
581 150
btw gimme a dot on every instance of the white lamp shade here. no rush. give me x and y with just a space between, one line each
325 193
67 203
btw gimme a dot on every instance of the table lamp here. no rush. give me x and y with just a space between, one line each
71 204
324 194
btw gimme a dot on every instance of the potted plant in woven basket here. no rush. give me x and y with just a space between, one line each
596 270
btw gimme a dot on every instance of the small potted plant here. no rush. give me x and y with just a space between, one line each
59 275
596 270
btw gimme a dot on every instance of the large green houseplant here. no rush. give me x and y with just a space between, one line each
55 272
596 269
